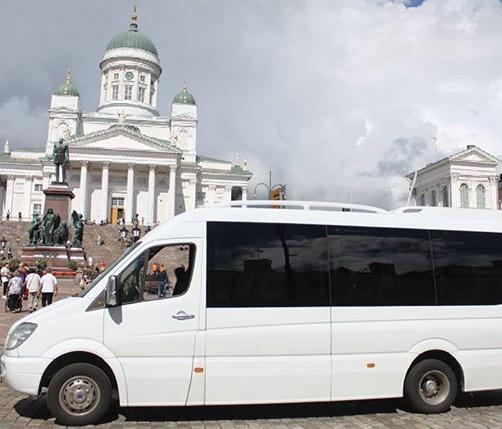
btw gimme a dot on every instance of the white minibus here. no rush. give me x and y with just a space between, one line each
260 303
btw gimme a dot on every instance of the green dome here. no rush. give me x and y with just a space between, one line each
184 97
67 88
132 39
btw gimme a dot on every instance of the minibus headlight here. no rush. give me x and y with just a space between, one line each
19 335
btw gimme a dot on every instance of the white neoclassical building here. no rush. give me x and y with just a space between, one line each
126 159
466 179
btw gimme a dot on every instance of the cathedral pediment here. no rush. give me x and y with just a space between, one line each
121 138
474 154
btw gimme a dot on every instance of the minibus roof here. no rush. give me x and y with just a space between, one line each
301 212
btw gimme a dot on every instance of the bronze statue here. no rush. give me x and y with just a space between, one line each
48 226
61 159
78 223
35 231
61 234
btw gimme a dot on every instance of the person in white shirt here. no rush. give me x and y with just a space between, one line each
5 275
15 290
49 287
33 284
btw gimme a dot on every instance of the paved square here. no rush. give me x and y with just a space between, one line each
483 410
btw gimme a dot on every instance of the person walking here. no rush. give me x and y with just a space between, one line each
15 289
49 287
4 276
33 284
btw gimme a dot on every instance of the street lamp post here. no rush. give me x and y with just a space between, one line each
269 187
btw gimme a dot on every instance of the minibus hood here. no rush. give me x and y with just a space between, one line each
51 311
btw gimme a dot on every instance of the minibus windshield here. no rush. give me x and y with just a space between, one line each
105 272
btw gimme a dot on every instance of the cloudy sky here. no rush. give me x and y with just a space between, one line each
338 98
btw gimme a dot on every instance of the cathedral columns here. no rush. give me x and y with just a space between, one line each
493 181
172 191
9 195
244 193
2 199
104 189
28 185
150 217
129 202
83 188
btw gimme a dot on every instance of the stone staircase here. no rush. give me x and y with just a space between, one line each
108 252
17 237
15 233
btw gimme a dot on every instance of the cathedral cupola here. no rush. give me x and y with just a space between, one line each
68 87
130 71
184 97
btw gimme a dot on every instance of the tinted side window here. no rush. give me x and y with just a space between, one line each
380 266
266 265
468 267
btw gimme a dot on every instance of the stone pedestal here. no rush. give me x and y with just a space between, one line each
58 257
58 197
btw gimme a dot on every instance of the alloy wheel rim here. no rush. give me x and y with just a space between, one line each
79 395
434 387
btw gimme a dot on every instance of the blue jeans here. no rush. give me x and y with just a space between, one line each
162 289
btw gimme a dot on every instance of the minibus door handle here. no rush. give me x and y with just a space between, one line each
181 315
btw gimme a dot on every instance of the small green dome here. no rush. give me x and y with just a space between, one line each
184 97
67 88
132 39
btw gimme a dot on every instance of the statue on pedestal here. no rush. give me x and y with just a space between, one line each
61 159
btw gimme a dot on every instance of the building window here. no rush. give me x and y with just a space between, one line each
141 94
236 193
464 195
422 200
142 78
38 187
128 92
481 197
445 196
37 208
433 198
115 92
115 76
117 202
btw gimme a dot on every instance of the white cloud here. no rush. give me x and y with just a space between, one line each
21 124
337 98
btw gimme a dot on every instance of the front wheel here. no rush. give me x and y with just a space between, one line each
430 387
79 394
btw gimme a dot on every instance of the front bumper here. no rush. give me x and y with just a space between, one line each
23 374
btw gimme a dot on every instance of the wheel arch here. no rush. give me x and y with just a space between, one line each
78 357
443 356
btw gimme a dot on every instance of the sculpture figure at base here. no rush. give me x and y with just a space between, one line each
48 225
35 232
78 223
61 234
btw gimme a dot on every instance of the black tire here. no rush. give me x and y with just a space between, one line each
85 381
430 387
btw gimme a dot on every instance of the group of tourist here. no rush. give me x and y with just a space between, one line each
33 284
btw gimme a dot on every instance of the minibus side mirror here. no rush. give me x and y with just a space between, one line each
112 292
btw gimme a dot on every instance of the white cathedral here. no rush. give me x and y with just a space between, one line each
126 160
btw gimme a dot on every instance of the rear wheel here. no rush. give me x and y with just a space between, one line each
79 394
430 387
